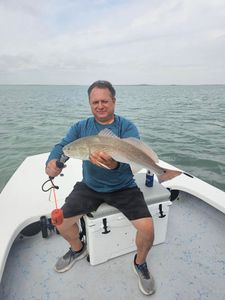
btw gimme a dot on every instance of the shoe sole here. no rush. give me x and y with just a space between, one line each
83 255
140 285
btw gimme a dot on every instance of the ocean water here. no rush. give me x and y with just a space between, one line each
185 125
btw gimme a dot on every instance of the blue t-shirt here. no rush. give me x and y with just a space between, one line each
98 178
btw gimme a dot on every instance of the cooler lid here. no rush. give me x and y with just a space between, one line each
155 194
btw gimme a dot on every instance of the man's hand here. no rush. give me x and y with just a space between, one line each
102 159
51 169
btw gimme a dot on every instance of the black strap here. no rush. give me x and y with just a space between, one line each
51 187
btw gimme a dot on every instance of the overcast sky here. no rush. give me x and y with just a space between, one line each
126 42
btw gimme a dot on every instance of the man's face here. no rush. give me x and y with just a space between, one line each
102 105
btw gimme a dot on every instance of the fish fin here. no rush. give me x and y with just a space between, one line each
107 132
135 168
139 144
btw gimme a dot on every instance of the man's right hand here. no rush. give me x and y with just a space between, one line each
51 169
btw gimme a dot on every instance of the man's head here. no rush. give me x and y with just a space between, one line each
102 101
102 84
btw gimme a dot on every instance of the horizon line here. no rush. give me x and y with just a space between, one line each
116 84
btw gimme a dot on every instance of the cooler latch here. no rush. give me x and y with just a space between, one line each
161 214
105 227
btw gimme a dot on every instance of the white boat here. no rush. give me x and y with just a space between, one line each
190 264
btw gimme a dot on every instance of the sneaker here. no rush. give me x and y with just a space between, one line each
66 262
145 279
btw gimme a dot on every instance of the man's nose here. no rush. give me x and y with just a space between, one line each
100 104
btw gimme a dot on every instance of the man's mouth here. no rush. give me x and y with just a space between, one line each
101 111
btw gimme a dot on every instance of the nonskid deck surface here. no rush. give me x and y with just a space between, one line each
189 265
28 203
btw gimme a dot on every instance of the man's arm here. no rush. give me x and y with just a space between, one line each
52 169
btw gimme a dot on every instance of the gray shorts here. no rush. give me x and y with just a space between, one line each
83 200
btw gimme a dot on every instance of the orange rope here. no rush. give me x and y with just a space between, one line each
56 214
54 193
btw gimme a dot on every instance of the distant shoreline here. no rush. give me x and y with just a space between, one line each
137 84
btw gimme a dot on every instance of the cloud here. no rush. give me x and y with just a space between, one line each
130 41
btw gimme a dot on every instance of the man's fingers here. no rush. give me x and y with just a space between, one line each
102 159
103 165
52 169
100 156
105 156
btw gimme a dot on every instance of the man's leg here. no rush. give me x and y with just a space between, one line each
132 204
144 238
69 230
80 201
144 241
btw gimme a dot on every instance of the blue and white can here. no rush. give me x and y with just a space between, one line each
149 179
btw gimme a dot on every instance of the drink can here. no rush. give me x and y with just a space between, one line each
149 179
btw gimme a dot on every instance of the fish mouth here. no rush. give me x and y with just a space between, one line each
66 150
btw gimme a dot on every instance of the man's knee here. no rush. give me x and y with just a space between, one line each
145 227
68 223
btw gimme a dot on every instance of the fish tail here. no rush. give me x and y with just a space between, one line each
168 174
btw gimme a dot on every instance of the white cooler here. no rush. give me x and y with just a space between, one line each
110 234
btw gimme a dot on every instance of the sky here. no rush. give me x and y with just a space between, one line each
125 42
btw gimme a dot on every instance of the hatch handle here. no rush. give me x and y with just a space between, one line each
105 227
161 214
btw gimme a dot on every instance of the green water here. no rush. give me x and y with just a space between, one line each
185 125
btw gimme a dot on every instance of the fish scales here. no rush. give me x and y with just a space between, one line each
122 150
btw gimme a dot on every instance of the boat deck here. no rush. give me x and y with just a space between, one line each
189 265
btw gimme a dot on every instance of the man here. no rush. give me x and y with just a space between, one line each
114 185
